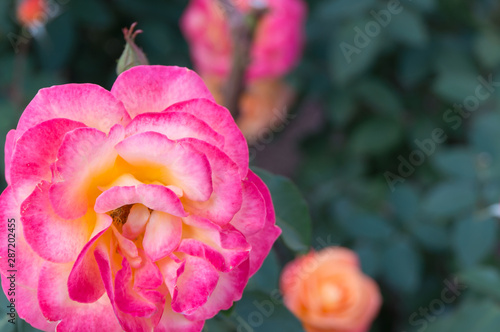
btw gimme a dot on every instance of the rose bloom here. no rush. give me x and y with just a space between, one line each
132 209
31 12
277 44
328 292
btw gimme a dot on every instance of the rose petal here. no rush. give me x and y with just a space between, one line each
56 304
229 289
262 241
226 197
194 285
170 162
52 237
84 159
153 196
26 305
225 247
27 262
9 148
162 236
84 282
252 216
220 120
136 221
175 125
87 103
174 322
34 152
145 89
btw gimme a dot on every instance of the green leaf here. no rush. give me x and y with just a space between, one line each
378 95
487 48
473 315
342 108
414 66
402 265
292 212
264 312
409 28
368 226
432 236
348 58
473 240
266 278
457 75
375 136
369 256
456 162
485 134
406 203
342 9
484 280
92 13
449 199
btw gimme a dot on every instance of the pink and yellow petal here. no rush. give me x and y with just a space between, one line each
26 261
262 241
26 305
169 162
56 304
162 236
175 125
144 89
229 289
52 237
87 103
251 218
8 149
84 160
226 197
85 284
220 120
34 153
155 197
194 285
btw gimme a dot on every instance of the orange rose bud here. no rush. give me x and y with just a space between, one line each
31 12
328 292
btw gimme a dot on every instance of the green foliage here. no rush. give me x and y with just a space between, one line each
292 213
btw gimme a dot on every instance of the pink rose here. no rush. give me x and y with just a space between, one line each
133 209
277 44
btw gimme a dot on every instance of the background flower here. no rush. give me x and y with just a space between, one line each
277 45
328 292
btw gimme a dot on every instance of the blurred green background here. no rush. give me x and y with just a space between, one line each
367 106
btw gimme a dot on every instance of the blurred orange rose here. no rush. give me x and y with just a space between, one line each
328 292
31 12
